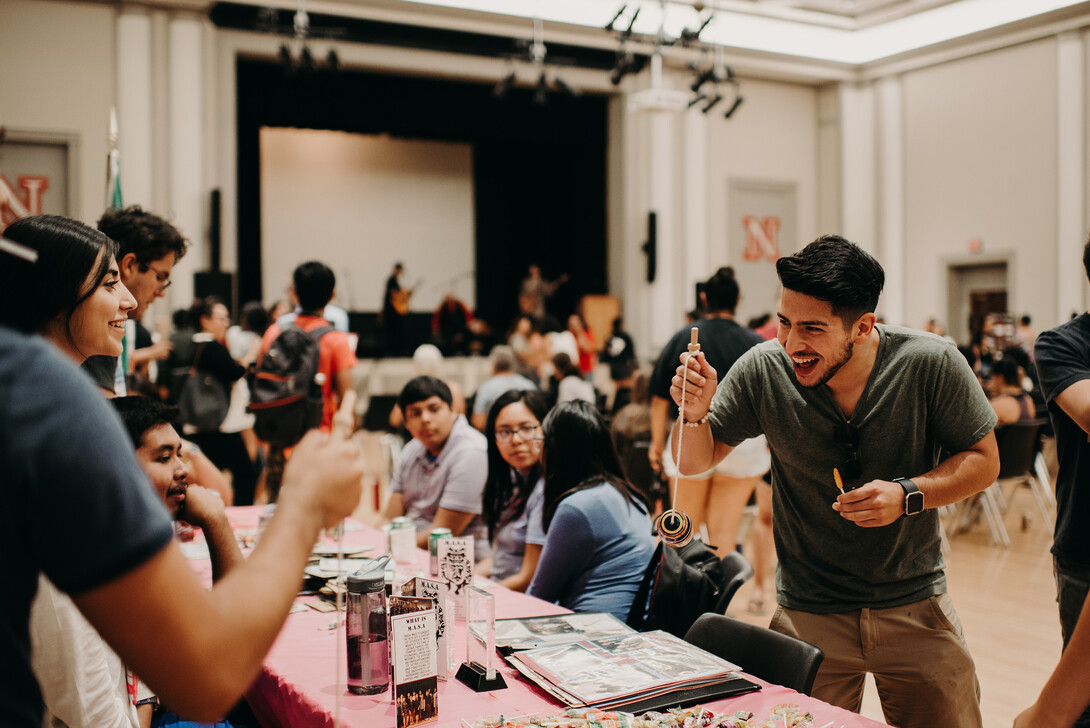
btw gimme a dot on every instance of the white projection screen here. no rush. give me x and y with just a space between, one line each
359 203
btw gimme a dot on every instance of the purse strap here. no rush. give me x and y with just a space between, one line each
637 613
197 357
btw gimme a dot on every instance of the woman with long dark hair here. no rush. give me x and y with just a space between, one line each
73 294
514 494
598 540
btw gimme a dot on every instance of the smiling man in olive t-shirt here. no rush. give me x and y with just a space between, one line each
860 573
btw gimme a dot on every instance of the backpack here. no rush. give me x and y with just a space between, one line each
202 399
680 584
286 387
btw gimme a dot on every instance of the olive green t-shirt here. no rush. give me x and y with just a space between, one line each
921 398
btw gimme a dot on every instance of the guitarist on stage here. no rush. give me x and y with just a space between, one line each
395 307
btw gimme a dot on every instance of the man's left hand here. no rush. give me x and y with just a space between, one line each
878 503
201 507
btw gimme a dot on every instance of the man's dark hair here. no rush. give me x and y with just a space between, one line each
421 388
835 270
254 317
721 291
144 234
1086 258
140 414
314 284
564 366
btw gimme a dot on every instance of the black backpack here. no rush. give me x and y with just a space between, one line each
286 387
680 584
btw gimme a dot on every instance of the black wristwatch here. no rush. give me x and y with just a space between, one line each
913 496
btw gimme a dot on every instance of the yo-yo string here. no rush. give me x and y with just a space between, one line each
681 429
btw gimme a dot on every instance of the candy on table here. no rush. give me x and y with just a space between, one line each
785 715
788 715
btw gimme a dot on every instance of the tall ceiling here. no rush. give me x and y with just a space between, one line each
853 32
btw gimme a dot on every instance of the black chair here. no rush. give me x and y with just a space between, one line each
737 571
377 417
769 655
1019 447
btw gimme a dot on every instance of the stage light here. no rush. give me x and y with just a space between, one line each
564 88
504 85
541 91
287 64
733 107
616 17
702 77
625 65
306 61
691 36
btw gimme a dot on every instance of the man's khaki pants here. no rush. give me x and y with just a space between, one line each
917 654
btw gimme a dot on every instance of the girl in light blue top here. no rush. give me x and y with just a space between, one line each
598 540
514 492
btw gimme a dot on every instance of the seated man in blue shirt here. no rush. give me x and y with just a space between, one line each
440 475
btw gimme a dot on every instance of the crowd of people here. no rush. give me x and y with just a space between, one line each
557 484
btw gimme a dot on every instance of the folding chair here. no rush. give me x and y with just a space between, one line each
769 655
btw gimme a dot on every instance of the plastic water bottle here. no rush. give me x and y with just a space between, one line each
368 650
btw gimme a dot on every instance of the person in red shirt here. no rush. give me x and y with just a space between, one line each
584 339
313 284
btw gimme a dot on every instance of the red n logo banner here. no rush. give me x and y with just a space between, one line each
762 238
21 201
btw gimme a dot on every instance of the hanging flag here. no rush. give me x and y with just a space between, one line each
113 164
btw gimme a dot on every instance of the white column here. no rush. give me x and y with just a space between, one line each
858 175
698 265
665 301
134 106
891 202
1071 187
186 144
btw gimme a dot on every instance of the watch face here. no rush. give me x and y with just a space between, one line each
913 503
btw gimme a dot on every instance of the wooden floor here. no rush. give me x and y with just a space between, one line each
1006 598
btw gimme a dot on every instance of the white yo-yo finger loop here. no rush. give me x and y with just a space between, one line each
675 528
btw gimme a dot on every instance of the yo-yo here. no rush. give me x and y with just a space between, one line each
675 528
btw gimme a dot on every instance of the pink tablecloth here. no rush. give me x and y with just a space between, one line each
297 686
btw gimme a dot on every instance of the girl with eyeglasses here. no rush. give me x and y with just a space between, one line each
598 540
514 494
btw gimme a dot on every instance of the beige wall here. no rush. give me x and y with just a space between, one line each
981 162
772 137
361 202
56 76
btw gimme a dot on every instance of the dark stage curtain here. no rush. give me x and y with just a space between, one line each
539 172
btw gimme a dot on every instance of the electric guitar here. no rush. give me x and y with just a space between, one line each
400 299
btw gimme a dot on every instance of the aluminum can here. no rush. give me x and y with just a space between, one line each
433 547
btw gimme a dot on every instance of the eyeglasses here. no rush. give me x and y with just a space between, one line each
162 276
525 432
846 436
